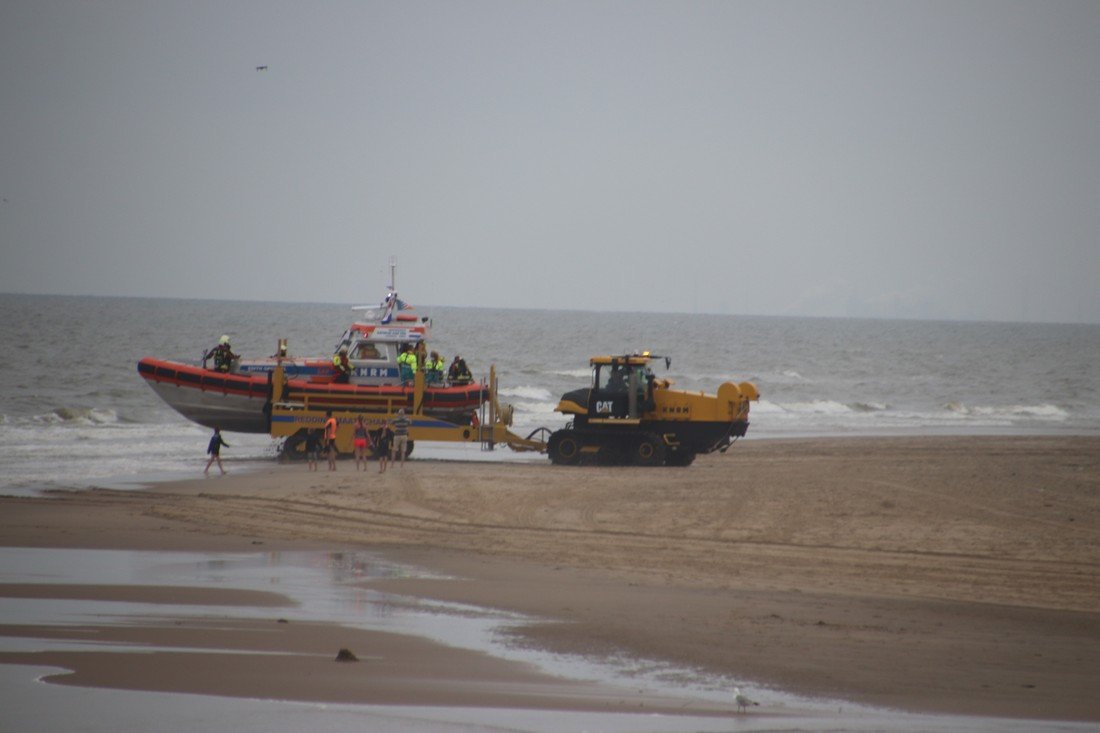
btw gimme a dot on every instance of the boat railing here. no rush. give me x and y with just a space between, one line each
351 403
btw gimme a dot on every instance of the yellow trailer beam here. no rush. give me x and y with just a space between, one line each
293 417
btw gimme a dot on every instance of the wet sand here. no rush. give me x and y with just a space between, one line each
947 575
296 661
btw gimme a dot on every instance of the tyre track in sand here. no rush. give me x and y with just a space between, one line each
678 556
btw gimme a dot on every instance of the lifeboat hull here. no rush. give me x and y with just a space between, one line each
238 402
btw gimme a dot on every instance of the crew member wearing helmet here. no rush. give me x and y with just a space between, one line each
223 355
459 373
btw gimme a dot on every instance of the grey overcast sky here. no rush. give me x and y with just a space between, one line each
878 158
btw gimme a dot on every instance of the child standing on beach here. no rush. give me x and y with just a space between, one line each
313 447
382 447
361 441
214 451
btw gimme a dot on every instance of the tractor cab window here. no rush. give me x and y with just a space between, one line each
611 396
612 378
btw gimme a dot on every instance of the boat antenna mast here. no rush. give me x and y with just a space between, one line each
391 293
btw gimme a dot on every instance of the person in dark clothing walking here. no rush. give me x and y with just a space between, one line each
382 444
313 448
214 451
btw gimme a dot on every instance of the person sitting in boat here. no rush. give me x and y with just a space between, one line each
459 373
222 354
406 364
342 365
433 368
367 350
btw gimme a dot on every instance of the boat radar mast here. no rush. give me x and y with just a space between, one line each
378 311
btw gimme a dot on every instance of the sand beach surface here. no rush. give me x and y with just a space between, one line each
952 575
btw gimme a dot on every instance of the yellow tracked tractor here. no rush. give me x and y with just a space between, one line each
631 416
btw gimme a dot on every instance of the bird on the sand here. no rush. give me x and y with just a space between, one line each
742 700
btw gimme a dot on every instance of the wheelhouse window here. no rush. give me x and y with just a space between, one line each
367 351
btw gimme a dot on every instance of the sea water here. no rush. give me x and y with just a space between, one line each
75 413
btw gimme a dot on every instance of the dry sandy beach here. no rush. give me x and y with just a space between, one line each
946 574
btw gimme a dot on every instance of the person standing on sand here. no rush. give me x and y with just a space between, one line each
400 436
214 451
361 441
382 445
330 439
313 447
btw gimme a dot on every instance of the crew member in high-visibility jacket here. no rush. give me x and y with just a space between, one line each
342 365
434 367
406 364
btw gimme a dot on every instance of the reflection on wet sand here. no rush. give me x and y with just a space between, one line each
266 626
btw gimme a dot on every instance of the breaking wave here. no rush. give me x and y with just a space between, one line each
869 406
527 393
573 373
773 415
1043 412
79 416
819 407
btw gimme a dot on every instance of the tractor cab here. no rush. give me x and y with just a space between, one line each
628 415
621 387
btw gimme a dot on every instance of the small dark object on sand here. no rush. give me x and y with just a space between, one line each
346 655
